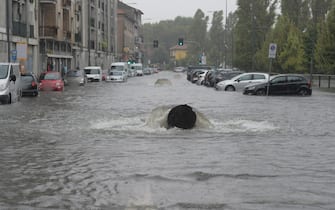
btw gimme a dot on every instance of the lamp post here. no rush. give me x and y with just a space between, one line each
225 39
8 28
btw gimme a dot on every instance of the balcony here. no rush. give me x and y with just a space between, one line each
67 35
48 1
78 38
48 31
67 4
20 29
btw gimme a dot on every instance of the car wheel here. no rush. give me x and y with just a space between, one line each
230 88
9 99
303 92
260 92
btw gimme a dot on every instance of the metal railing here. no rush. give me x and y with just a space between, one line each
322 80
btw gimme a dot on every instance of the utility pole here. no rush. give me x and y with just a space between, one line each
89 31
115 30
8 17
225 39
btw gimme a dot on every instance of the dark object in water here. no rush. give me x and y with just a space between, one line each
181 116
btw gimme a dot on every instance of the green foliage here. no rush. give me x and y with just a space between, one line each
292 56
297 11
325 47
216 40
255 19
304 33
196 37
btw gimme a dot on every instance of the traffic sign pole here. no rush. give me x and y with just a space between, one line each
272 55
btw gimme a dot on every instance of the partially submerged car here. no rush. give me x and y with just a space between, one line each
283 84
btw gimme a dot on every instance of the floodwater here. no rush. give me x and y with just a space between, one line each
103 146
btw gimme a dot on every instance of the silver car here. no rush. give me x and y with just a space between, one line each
76 77
238 82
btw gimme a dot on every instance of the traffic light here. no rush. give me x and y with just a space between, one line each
180 41
155 43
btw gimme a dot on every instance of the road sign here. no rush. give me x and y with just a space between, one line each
272 50
14 55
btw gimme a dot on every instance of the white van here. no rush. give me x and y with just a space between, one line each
137 68
120 66
10 87
93 73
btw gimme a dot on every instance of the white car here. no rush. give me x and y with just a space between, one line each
94 73
201 77
116 76
238 82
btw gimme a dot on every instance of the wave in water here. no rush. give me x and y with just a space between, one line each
156 121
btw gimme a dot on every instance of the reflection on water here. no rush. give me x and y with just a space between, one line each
103 146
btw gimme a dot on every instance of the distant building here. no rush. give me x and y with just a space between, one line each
178 53
95 31
129 39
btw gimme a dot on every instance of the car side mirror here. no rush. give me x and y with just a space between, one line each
12 78
238 80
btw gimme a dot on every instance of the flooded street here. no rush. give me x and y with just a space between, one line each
102 147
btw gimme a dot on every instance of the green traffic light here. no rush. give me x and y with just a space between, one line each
180 41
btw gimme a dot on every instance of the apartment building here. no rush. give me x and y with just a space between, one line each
19 33
67 34
129 41
56 34
94 32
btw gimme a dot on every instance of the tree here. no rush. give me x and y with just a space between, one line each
167 33
297 11
325 46
197 37
290 49
255 19
216 42
291 57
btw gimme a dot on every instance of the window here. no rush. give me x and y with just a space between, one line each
246 77
278 80
259 76
295 79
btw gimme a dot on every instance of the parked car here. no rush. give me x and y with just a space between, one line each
77 77
240 81
116 76
201 77
147 71
285 84
94 73
51 81
191 70
29 84
10 87
213 77
136 69
179 69
225 75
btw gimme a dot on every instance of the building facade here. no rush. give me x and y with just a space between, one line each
67 34
130 41
95 33
19 33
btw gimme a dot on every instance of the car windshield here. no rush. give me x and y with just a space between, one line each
52 76
74 74
121 68
3 71
92 71
27 78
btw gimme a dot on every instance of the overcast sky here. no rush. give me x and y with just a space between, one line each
157 10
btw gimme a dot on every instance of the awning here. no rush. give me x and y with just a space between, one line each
59 56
